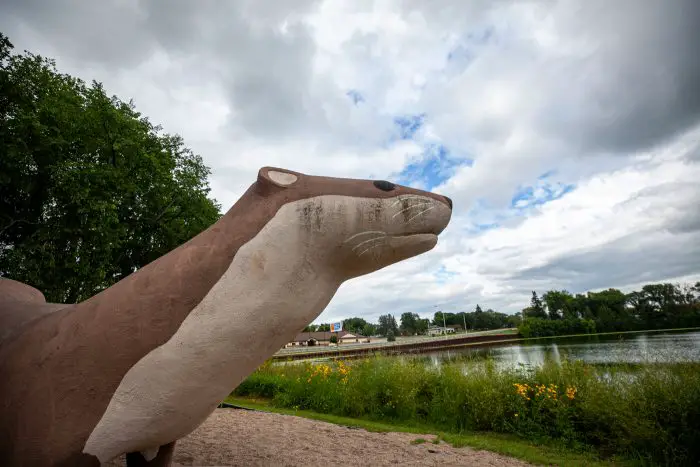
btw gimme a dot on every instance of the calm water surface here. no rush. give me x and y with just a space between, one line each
653 347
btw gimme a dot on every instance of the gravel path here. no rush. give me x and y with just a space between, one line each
232 437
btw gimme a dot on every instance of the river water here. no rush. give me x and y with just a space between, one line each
649 347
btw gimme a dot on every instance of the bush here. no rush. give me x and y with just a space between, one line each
646 412
540 327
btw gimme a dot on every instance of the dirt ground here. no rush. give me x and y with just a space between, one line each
233 437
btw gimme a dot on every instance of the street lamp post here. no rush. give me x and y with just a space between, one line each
444 326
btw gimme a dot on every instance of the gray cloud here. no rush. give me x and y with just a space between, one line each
637 87
267 75
640 84
638 257
98 32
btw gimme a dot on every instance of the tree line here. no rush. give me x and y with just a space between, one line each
411 324
654 306
556 312
90 190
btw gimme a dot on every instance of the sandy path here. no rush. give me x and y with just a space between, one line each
232 437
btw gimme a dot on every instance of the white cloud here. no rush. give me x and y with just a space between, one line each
597 95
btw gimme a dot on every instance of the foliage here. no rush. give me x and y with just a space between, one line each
536 308
644 412
90 190
558 312
387 325
412 323
333 339
655 306
477 320
539 327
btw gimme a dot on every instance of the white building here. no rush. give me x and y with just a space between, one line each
439 330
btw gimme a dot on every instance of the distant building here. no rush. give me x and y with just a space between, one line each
352 338
324 338
439 330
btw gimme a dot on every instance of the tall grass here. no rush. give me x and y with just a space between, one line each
646 412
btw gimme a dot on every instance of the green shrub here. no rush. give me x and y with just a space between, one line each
540 327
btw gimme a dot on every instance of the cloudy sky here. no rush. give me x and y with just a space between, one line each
567 133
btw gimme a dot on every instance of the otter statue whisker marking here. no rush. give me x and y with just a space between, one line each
367 232
401 199
368 249
380 237
144 362
420 213
413 206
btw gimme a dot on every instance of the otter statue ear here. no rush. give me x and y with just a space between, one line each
276 176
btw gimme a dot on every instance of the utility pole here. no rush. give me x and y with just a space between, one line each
444 326
464 317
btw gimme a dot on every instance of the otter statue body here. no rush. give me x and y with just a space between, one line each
144 362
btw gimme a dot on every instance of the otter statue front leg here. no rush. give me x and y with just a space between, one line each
163 458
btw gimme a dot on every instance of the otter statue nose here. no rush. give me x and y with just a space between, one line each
449 201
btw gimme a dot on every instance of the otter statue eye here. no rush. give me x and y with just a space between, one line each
384 185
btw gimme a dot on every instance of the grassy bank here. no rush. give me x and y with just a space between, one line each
506 444
645 413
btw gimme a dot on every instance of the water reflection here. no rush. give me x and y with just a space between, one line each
662 347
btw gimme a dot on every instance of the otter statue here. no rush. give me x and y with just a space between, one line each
144 362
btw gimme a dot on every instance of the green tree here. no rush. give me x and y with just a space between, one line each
90 190
450 318
354 325
536 308
387 323
422 326
655 306
409 323
369 329
513 321
608 310
559 304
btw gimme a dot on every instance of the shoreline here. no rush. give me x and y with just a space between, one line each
429 345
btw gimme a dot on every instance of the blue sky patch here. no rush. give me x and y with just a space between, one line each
435 167
408 125
541 193
487 226
443 275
